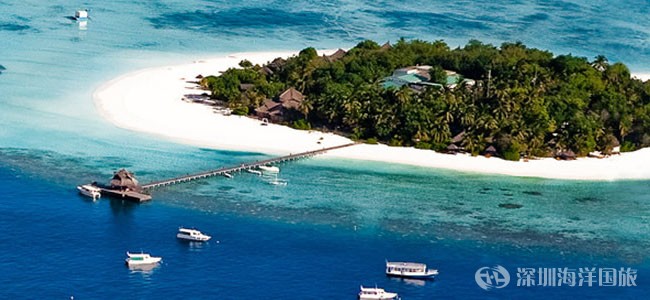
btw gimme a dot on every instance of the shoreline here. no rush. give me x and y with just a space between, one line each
149 101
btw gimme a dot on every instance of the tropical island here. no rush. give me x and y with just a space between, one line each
510 101
162 101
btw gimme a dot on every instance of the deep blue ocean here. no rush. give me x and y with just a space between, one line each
337 221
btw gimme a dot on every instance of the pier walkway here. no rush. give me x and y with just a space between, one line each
239 168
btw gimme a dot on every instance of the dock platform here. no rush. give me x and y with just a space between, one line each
140 193
126 195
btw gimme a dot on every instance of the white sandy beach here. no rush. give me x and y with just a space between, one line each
642 76
150 101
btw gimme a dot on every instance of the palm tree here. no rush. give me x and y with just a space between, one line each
600 63
305 107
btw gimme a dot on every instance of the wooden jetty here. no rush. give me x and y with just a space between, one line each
124 194
125 186
242 167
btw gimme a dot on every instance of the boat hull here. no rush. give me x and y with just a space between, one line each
413 276
141 259
150 261
269 169
92 194
193 238
385 297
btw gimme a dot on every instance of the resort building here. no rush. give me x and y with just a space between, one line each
335 56
273 67
418 77
454 79
279 109
411 76
386 46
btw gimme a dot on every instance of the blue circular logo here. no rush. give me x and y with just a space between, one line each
495 277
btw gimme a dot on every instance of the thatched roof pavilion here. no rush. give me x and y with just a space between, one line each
490 151
452 148
566 155
123 179
458 138
277 64
335 56
291 98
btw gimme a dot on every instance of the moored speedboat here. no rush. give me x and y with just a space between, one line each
138 259
375 294
192 235
269 169
81 15
409 270
90 191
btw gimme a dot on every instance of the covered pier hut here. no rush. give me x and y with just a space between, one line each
124 180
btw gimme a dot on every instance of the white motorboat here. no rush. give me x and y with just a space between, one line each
409 270
192 235
90 191
375 294
227 175
139 259
269 169
81 15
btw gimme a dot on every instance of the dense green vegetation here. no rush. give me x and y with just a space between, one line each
526 101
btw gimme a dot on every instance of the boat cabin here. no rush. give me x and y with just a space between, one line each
81 14
405 267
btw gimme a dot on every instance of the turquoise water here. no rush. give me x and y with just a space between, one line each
339 219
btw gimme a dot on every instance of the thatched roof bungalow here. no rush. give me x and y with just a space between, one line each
277 64
124 179
291 98
335 56
453 149
277 110
458 138
566 155
266 71
490 151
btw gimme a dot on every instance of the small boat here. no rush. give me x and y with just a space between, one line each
90 191
227 175
192 235
409 270
81 15
269 169
256 172
138 259
375 294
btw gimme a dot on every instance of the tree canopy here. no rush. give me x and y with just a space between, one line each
525 100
